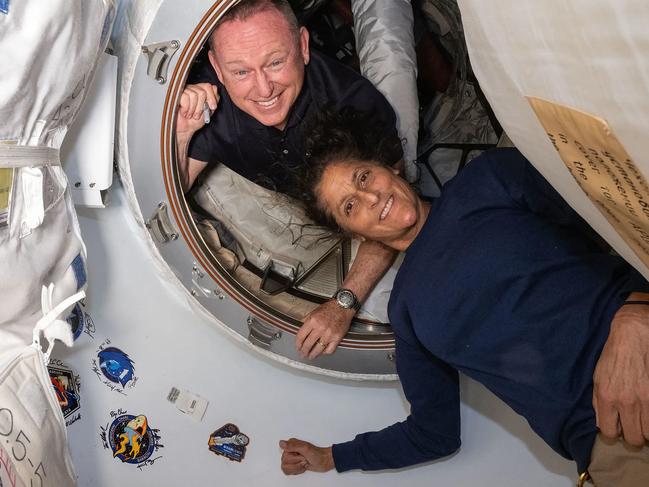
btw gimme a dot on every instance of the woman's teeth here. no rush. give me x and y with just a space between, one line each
387 208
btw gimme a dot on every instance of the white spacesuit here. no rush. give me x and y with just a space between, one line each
49 52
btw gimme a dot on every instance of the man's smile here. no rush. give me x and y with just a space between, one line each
268 103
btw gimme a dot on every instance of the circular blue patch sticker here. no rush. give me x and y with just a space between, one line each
116 365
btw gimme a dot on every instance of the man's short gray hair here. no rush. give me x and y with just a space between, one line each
247 8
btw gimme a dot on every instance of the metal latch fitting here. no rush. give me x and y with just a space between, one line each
159 56
262 334
209 292
160 226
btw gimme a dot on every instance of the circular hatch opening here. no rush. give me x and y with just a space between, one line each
249 243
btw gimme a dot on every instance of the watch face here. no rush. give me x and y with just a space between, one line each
345 298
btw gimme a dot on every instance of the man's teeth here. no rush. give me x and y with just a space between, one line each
388 207
269 103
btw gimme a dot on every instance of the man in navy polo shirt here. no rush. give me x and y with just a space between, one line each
266 83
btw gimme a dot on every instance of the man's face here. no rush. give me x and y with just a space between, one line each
261 64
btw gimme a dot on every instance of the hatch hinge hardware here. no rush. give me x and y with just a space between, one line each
197 277
160 226
262 334
159 56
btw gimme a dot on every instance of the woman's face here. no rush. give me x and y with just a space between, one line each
371 201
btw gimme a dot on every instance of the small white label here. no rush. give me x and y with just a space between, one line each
188 402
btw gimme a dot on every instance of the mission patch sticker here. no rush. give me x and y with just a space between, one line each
114 368
131 438
229 442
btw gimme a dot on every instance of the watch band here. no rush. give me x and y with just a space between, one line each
346 299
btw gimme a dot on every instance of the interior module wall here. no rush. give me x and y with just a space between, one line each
131 309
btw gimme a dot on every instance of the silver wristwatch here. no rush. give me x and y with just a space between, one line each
347 299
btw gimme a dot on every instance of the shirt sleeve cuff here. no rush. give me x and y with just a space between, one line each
637 283
345 456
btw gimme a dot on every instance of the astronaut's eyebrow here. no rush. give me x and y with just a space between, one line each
353 180
242 62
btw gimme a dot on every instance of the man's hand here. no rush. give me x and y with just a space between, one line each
621 379
323 329
299 456
189 119
190 115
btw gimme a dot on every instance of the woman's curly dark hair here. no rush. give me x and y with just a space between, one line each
332 137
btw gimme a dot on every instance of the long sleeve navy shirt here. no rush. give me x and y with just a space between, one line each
508 285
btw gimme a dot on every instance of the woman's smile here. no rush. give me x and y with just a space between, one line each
371 201
387 208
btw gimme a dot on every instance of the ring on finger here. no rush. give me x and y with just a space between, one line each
321 343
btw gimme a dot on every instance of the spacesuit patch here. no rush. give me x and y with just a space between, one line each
79 268
229 442
80 321
76 320
4 6
67 386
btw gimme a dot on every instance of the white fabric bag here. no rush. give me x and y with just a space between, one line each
589 55
33 439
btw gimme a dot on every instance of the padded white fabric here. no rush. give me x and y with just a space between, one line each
245 207
49 50
386 48
30 261
587 54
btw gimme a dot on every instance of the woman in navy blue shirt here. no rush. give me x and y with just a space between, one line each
501 281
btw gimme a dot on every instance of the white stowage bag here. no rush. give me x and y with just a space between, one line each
386 48
589 55
244 207
49 51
